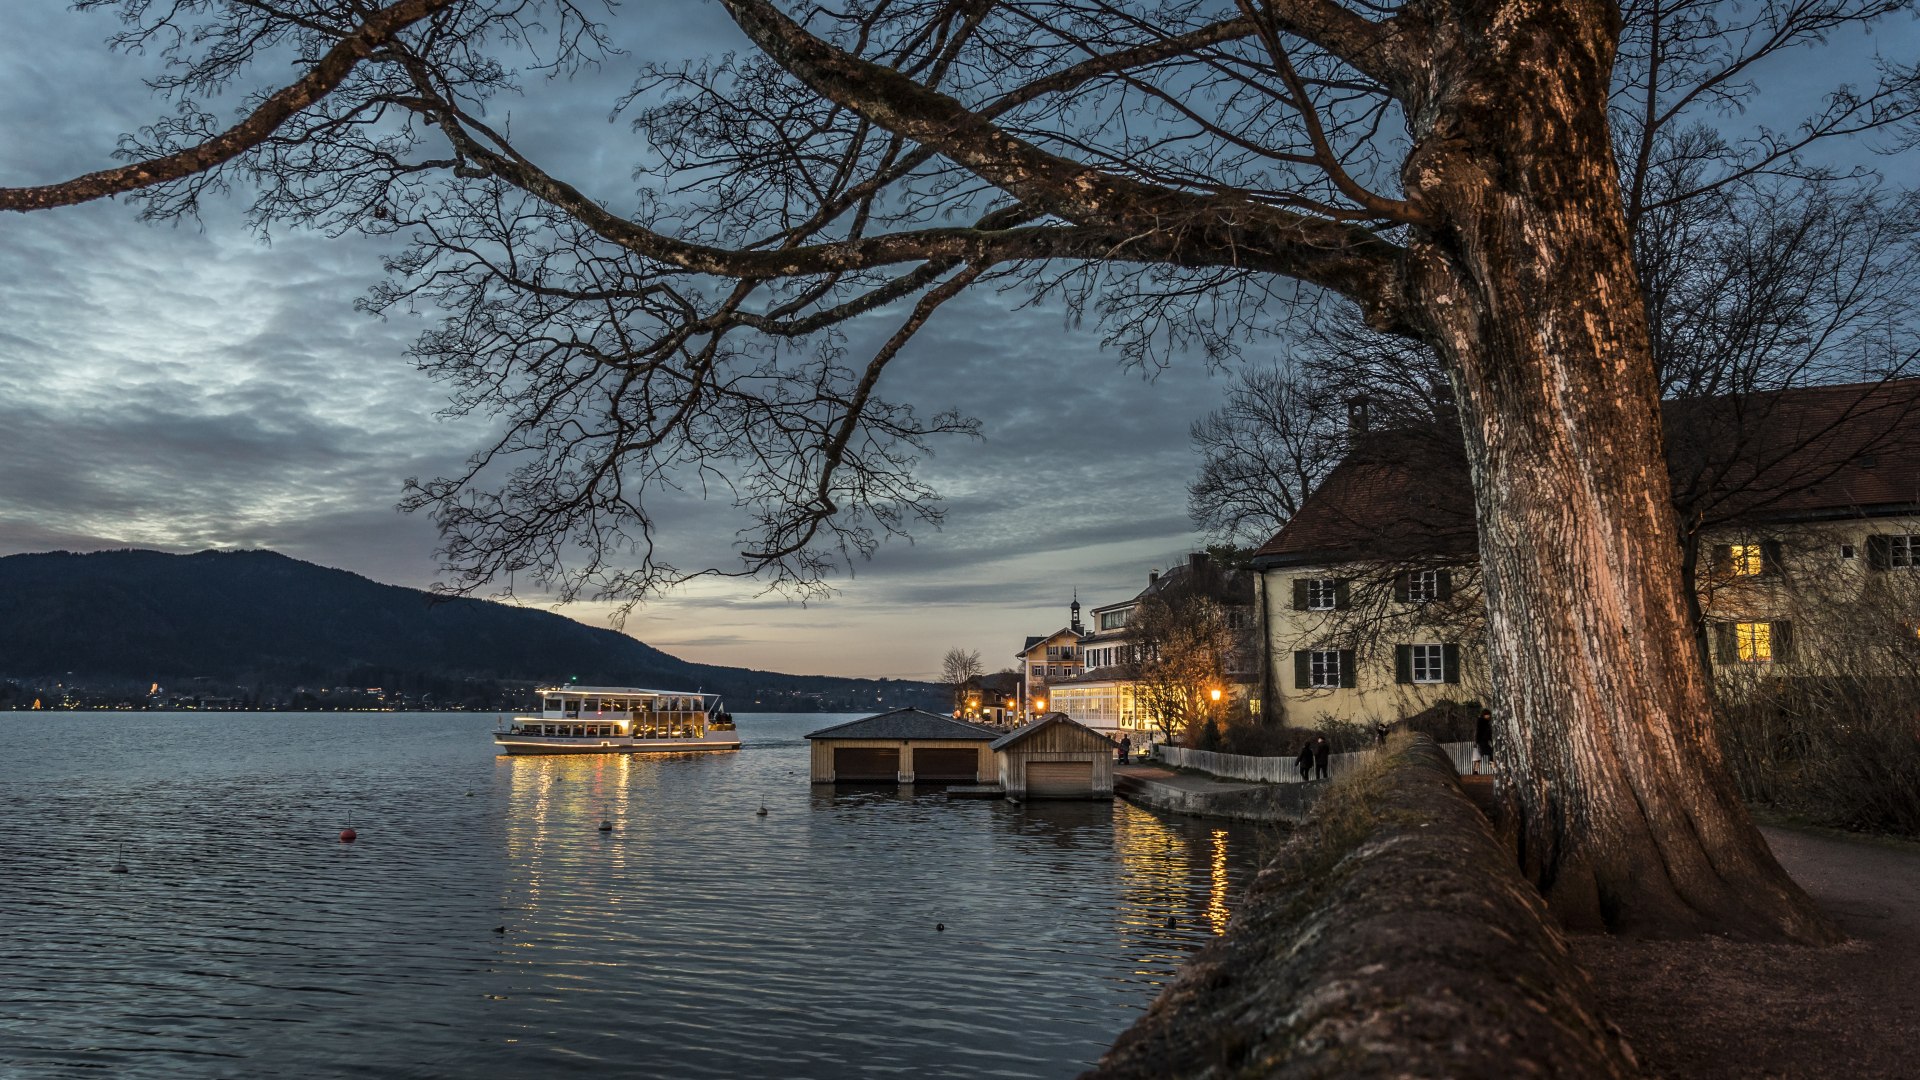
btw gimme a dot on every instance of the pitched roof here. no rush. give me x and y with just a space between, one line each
1036 640
1051 719
1781 455
1000 682
906 724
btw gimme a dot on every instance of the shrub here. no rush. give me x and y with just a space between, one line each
1839 751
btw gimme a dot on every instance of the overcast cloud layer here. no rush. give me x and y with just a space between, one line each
190 387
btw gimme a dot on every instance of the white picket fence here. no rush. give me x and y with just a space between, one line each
1282 770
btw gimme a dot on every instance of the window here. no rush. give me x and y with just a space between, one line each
1753 642
1745 560
1323 594
1323 668
1423 587
1429 665
1846 551
1899 551
1426 663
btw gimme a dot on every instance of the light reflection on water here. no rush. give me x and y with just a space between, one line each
694 939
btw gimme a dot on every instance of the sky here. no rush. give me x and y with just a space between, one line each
184 387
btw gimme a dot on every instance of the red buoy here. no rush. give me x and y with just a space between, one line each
348 836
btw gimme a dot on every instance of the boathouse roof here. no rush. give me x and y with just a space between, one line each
1051 720
906 724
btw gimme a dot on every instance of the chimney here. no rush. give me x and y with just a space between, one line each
1356 416
1153 578
1196 561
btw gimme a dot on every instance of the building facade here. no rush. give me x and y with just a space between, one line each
1369 598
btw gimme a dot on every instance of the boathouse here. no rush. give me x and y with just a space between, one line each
1055 757
904 746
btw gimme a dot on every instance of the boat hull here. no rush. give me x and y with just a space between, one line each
613 744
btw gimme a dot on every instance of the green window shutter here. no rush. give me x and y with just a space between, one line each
1782 638
1342 594
1349 678
1770 556
1880 552
1446 584
1450 660
1403 664
1299 594
1302 670
1725 649
1402 587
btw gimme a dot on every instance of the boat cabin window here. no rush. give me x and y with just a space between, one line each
572 706
550 703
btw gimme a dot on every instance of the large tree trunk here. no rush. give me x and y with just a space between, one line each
1626 817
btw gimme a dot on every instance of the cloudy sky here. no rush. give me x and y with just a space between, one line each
186 387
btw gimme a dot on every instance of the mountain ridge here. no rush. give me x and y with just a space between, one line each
259 618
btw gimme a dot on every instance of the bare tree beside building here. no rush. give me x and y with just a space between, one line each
957 667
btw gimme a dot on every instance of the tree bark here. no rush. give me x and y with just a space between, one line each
1626 818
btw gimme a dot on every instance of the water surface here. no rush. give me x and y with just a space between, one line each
483 926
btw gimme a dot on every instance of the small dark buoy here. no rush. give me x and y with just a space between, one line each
1170 923
606 826
499 929
469 794
119 861
940 926
762 812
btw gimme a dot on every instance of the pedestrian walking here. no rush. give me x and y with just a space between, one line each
1305 762
1483 741
1126 748
1322 750
1379 733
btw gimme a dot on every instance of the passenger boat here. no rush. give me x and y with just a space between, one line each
619 720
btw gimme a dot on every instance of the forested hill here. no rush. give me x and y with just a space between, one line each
269 627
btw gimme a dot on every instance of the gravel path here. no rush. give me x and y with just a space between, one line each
1718 1009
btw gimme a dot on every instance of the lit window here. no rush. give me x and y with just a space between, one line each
1746 559
1423 586
1429 663
1323 669
1753 641
1322 594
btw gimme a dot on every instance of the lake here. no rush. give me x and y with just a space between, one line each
483 926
